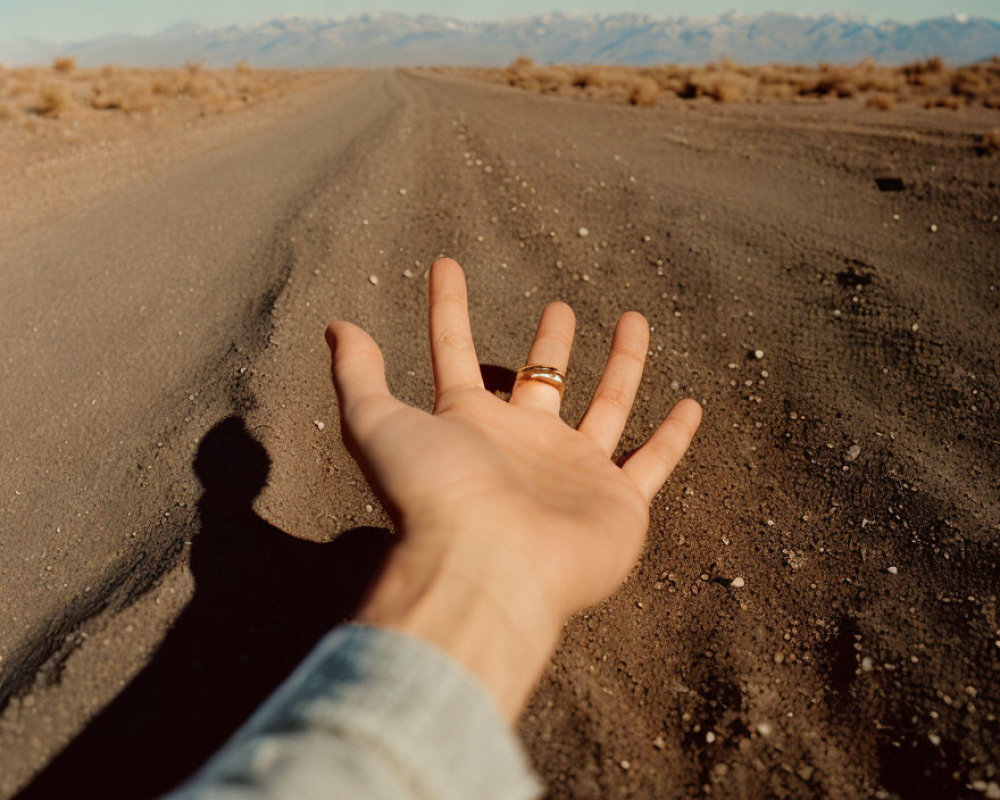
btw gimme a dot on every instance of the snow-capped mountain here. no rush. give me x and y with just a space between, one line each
397 39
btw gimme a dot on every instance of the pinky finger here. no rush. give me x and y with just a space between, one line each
651 465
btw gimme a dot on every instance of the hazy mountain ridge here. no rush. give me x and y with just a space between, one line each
397 39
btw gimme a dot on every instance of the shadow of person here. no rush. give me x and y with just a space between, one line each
262 599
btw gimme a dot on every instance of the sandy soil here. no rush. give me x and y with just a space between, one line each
816 612
54 162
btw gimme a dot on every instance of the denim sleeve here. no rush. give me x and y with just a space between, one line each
371 714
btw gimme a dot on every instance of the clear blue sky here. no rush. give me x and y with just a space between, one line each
84 19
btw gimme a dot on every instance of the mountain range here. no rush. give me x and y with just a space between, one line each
386 39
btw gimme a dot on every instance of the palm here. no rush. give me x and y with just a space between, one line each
526 491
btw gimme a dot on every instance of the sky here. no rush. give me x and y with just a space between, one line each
71 20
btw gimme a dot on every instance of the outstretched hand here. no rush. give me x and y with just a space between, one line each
509 520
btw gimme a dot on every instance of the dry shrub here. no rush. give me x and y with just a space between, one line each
122 92
669 78
929 74
954 103
643 92
882 102
989 143
930 83
64 65
588 76
53 100
722 85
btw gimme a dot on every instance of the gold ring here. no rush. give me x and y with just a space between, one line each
537 372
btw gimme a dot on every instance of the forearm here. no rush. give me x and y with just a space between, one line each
371 714
504 636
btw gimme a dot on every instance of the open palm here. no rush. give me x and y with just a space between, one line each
506 493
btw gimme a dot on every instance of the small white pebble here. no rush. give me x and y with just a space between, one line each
625 764
407 273
583 232
933 228
934 739
710 737
738 583
836 312
764 728
893 570
319 424
867 665
915 327
675 385
402 191
758 354
853 452
368 507
373 280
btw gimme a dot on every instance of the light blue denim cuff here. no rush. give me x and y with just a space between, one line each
375 714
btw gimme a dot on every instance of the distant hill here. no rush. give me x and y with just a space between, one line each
395 39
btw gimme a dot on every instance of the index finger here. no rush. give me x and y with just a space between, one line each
453 354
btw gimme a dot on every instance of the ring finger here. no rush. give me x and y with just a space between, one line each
551 347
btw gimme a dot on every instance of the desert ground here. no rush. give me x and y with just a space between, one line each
816 612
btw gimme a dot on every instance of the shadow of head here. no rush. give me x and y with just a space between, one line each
231 463
261 600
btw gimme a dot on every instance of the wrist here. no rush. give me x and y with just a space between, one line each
500 634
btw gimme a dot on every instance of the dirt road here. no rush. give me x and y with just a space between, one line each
171 458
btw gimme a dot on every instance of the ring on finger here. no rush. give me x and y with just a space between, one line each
538 372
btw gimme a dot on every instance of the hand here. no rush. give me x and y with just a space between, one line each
509 520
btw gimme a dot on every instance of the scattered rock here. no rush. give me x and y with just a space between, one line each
319 424
853 452
659 743
738 582
933 228
710 737
764 729
889 184
625 765
373 280
407 273
758 354
867 665
893 570
583 233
